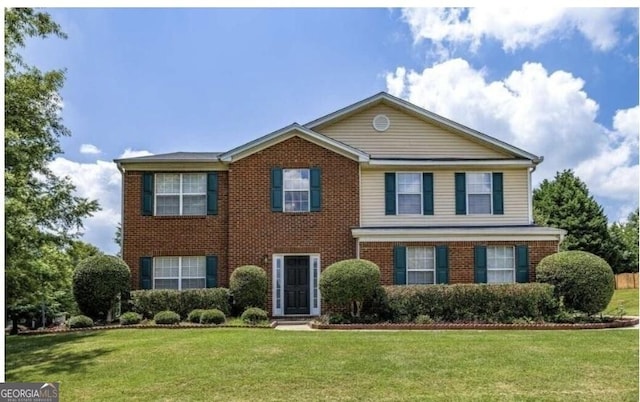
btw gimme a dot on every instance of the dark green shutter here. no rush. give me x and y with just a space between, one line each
498 198
442 264
399 265
212 193
522 264
427 193
147 194
315 186
389 193
212 271
146 272
276 189
461 194
480 264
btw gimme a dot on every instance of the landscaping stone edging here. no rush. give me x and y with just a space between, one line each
620 323
158 326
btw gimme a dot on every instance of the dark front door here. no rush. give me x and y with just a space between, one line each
296 284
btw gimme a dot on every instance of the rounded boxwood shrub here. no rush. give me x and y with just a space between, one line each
130 318
248 286
97 282
254 315
166 318
350 282
80 321
195 315
583 280
213 316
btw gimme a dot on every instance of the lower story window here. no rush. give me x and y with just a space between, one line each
179 273
501 267
421 266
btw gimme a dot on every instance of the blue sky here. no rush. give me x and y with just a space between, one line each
558 83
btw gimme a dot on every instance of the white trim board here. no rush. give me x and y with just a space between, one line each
457 234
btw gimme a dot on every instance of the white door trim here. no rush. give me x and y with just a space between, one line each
277 274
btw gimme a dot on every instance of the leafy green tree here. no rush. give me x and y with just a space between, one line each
565 203
117 238
41 210
624 244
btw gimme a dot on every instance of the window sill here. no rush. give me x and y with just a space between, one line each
171 217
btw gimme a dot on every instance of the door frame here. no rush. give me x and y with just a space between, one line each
277 287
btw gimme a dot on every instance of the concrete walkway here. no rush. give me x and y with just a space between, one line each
295 327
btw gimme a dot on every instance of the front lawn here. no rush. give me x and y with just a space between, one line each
261 364
627 298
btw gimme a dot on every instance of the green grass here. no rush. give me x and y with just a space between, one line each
229 364
627 298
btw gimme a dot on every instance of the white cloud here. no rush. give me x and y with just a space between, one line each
89 149
544 113
100 181
131 153
513 27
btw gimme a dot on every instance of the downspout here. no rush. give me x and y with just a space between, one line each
121 169
530 195
359 208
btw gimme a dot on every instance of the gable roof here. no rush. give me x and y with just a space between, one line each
425 115
174 157
288 132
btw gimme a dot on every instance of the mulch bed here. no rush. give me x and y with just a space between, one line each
618 323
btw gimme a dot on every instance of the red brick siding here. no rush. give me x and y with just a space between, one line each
255 232
151 236
460 256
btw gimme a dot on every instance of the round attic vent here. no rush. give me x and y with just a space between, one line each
381 122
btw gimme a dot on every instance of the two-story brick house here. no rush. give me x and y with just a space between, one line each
425 198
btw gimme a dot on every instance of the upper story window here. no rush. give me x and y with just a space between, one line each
479 193
409 193
296 190
181 194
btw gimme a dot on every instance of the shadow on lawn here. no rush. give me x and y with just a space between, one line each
40 357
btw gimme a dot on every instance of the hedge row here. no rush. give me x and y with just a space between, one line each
470 302
150 302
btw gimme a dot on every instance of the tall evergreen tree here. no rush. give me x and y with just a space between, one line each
565 203
42 213
623 247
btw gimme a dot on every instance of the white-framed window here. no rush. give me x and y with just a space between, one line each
421 266
181 194
409 193
179 273
501 264
479 193
296 190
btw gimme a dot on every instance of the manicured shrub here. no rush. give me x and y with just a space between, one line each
473 302
166 318
97 282
205 299
349 283
150 302
423 319
130 318
80 321
583 280
213 316
248 286
195 315
254 315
